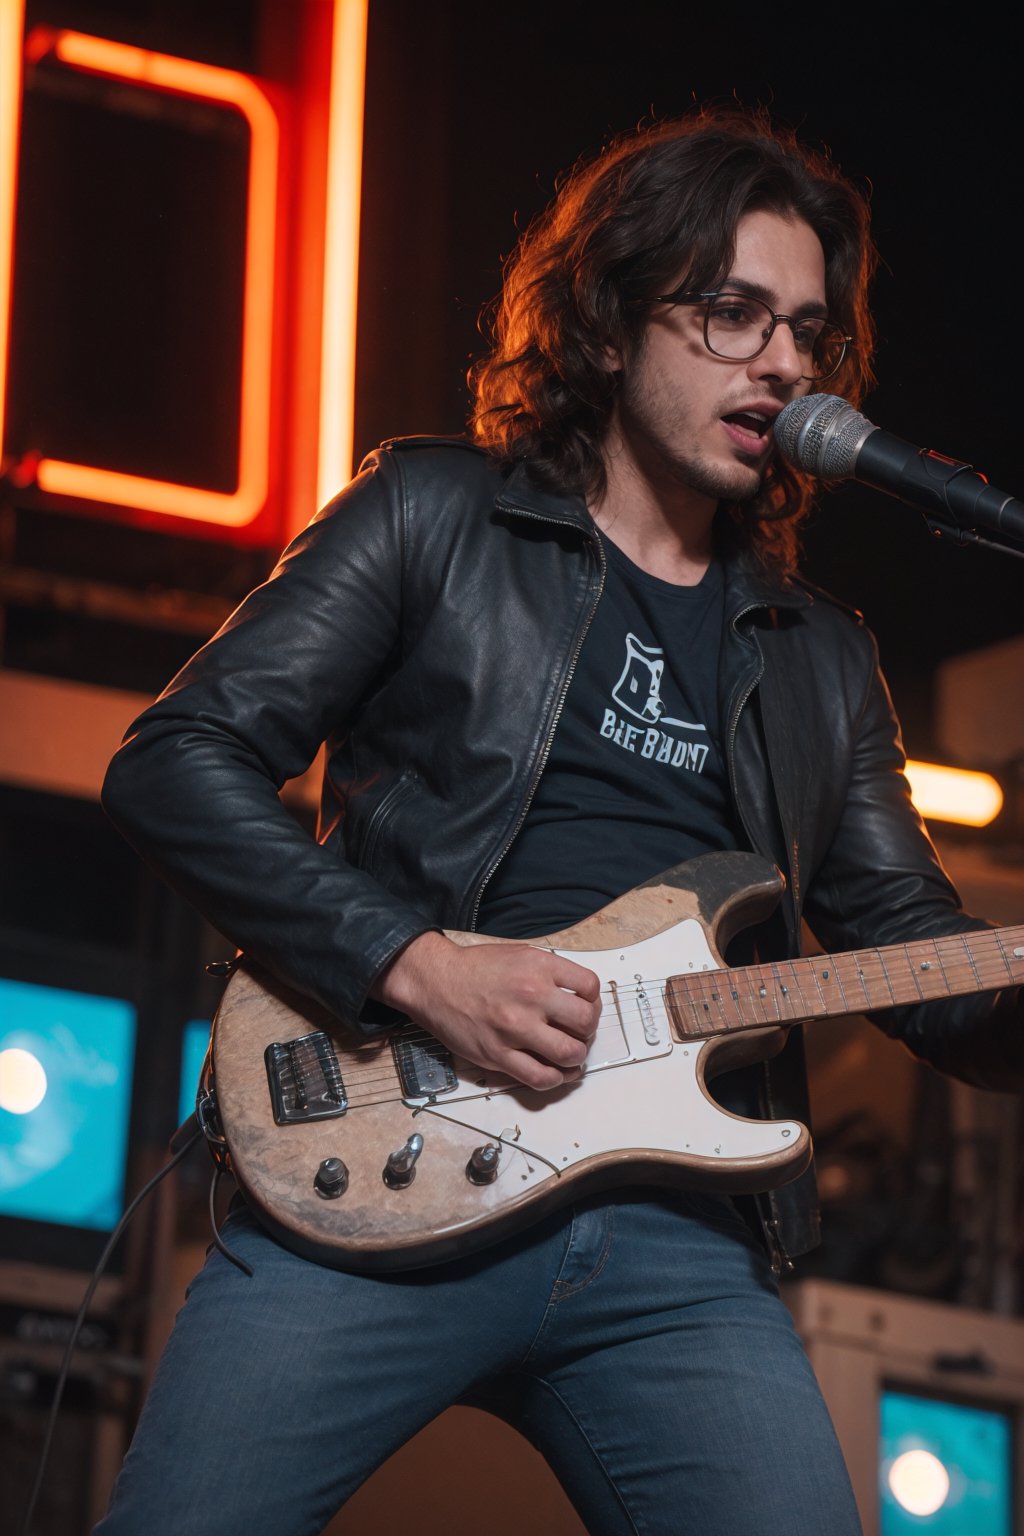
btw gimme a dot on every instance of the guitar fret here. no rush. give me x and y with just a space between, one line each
783 992
974 968
911 972
795 985
791 1001
839 983
855 978
909 977
873 959
1004 958
817 984
694 1001
710 985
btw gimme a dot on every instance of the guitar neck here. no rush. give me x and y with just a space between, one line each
709 1003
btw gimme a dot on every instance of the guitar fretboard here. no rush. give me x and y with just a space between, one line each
707 1003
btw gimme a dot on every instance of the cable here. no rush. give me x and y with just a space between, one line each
62 1374
218 1241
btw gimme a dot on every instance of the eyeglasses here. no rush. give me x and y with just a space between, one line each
739 327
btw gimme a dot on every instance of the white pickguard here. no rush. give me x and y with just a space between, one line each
640 1088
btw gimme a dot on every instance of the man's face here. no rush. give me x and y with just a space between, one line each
690 420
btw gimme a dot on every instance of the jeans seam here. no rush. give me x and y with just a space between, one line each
598 1458
561 1291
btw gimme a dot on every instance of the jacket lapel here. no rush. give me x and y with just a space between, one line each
770 761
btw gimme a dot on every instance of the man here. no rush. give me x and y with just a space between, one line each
549 665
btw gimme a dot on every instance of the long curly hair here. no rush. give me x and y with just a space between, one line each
658 207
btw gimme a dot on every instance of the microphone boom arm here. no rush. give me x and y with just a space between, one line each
953 497
825 436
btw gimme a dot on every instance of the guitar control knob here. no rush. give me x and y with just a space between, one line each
331 1178
400 1168
482 1167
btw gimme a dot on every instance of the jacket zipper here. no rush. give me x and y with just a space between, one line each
764 1201
735 722
546 750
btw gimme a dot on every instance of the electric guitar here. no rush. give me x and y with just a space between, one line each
393 1154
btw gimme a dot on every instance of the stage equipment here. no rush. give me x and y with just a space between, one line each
928 1403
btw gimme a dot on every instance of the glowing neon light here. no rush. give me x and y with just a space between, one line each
954 794
185 77
341 247
11 20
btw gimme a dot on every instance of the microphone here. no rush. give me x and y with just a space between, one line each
824 435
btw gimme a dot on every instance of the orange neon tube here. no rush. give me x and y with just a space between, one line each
341 248
11 21
163 72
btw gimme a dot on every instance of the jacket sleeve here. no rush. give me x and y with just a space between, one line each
881 883
194 787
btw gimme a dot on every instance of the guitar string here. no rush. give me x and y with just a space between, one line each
863 969
693 990
692 987
384 1073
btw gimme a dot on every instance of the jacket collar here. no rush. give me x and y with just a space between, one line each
746 587
522 493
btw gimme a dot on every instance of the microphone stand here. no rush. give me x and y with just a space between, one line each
955 499
945 522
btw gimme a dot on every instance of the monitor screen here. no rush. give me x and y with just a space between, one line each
946 1467
66 1061
194 1040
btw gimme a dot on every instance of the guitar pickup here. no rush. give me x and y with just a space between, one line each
305 1079
423 1065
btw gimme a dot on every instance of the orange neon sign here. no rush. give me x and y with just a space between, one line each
10 102
341 248
184 77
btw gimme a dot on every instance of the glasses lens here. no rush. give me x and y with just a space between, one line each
828 352
738 327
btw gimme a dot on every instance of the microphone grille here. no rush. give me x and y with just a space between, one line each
822 434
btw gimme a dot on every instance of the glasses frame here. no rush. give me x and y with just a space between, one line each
685 296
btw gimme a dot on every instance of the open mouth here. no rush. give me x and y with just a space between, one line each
752 424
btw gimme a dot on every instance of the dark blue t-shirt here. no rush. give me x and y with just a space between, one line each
636 778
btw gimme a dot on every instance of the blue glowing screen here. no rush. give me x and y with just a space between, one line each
974 1445
194 1040
66 1063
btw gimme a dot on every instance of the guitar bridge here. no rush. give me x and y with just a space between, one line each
305 1079
423 1065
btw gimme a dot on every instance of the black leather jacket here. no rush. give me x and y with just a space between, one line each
426 626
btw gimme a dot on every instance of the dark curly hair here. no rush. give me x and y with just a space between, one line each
658 207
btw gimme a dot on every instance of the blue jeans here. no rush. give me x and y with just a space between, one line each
639 1342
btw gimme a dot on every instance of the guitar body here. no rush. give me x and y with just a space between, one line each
639 1114
393 1154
